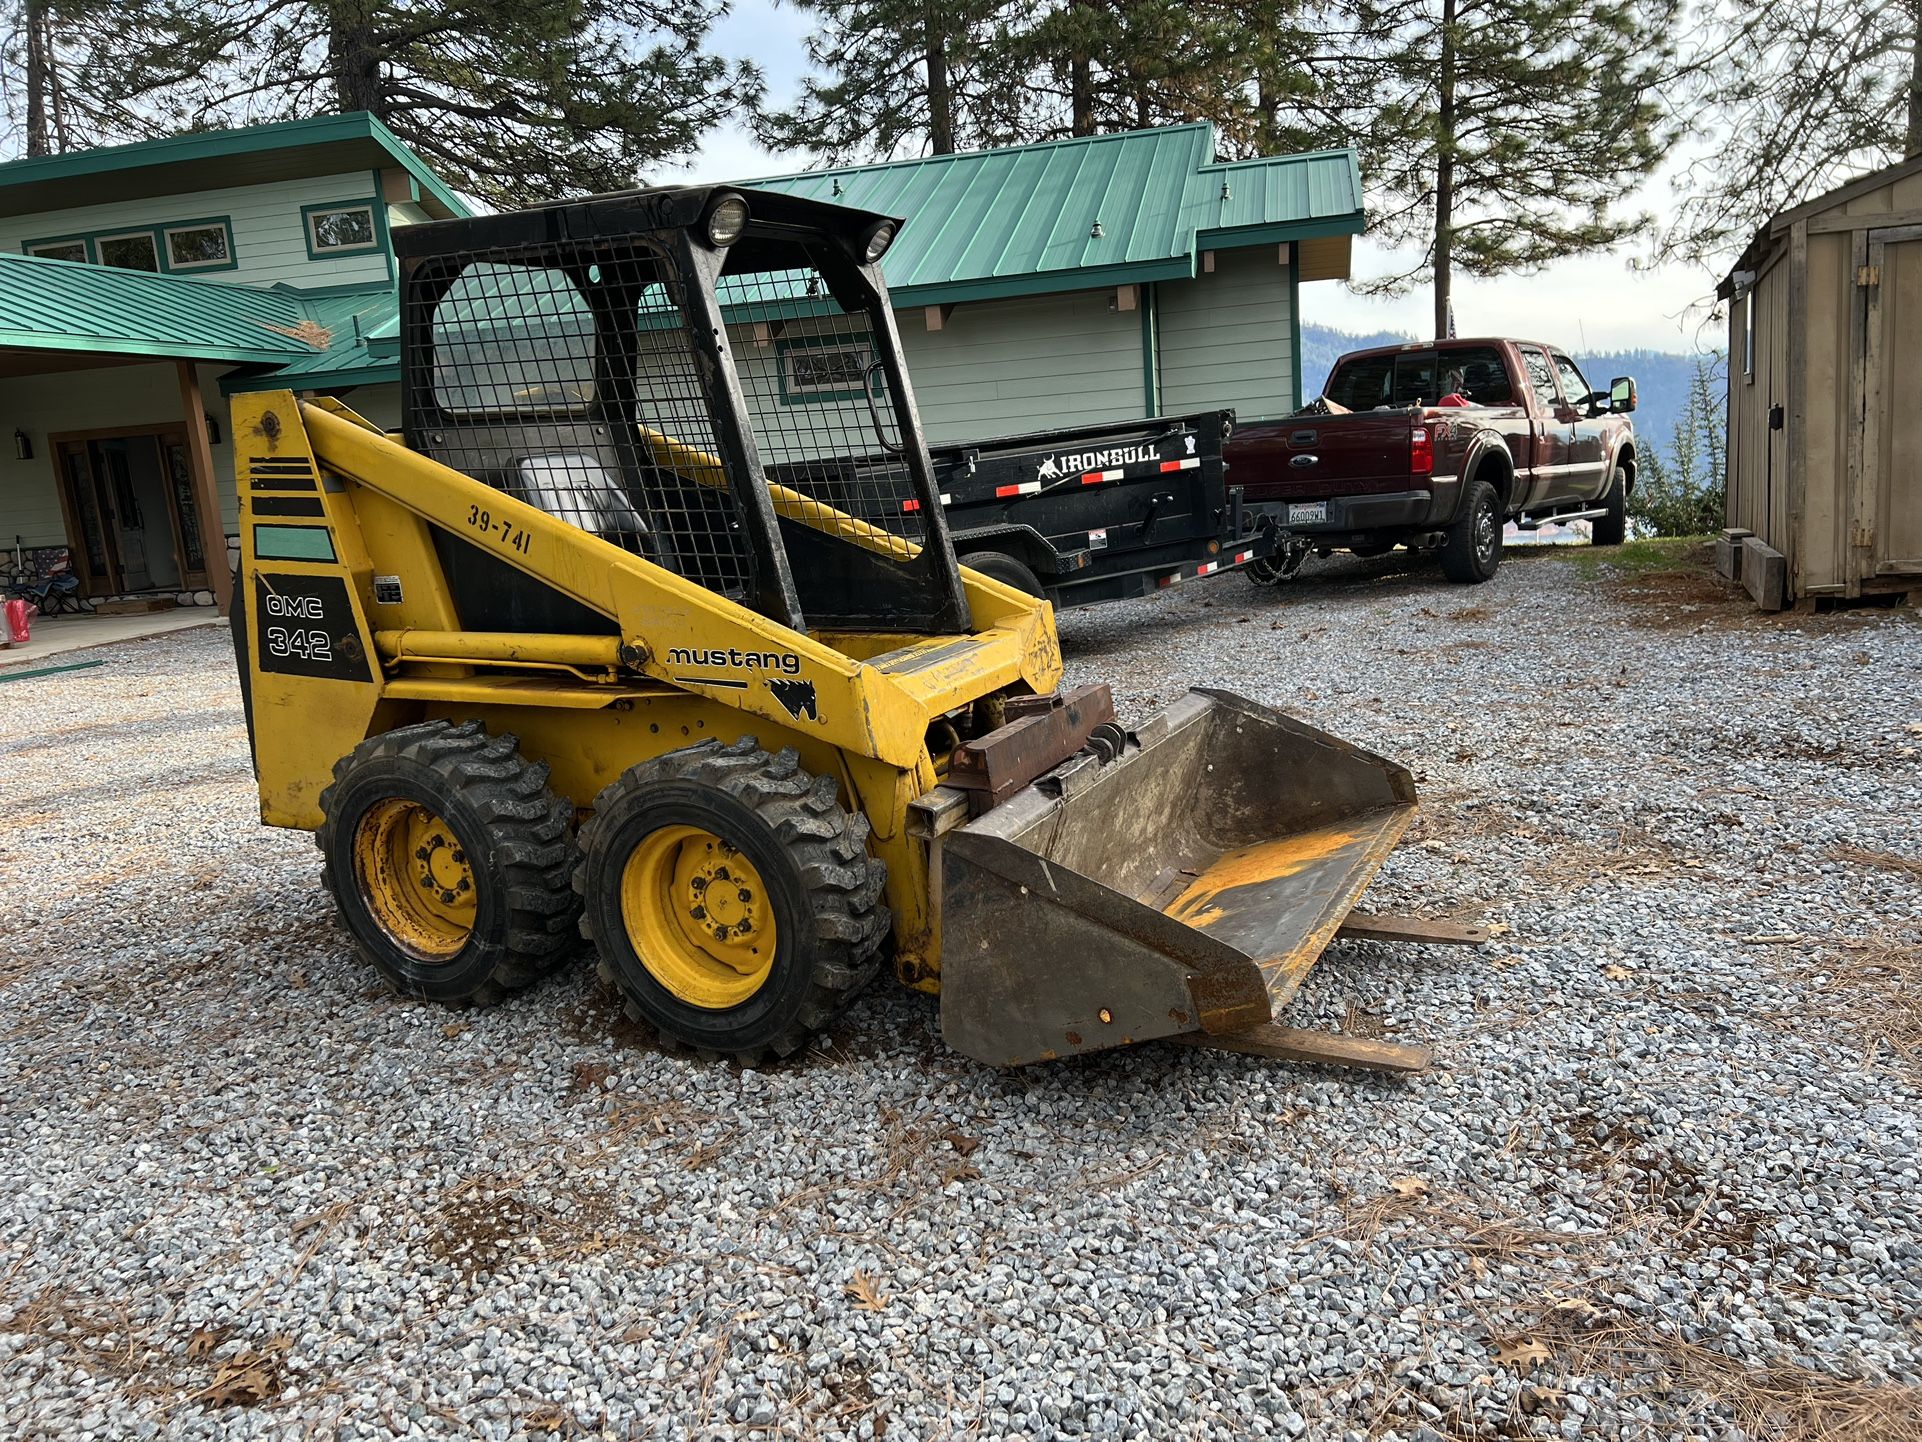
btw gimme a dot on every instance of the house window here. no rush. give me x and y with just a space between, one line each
74 249
824 370
340 229
135 251
199 245
1748 335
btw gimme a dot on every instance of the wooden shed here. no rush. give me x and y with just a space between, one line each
1825 397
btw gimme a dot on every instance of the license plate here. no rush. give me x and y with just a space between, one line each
1303 512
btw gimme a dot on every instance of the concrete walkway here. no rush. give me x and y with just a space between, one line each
54 636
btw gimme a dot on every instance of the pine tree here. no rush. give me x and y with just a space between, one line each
1680 493
905 77
509 101
1500 135
1801 95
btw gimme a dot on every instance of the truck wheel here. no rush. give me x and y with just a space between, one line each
1612 529
731 898
1004 568
449 858
1472 551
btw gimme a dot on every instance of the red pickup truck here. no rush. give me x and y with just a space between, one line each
1435 445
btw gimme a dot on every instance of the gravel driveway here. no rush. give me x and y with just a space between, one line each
1662 1182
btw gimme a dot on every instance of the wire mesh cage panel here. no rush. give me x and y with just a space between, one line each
818 398
569 376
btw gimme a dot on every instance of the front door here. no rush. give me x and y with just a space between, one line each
131 515
1590 449
1554 431
1886 530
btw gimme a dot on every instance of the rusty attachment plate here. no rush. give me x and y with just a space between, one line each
1040 733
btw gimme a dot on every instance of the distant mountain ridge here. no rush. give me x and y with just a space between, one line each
1661 377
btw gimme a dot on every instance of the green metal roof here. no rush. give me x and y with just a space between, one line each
215 159
62 305
1022 221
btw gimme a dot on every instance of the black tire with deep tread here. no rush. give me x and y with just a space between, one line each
1466 555
1612 529
520 834
812 855
1006 569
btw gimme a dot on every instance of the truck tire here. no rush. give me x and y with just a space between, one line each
731 899
1612 529
449 859
1472 551
1000 566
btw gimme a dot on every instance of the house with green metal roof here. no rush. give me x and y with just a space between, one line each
1100 278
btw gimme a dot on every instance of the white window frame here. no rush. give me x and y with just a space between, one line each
312 216
40 248
1748 337
100 243
795 391
168 233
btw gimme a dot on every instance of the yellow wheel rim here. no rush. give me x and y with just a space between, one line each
699 916
415 878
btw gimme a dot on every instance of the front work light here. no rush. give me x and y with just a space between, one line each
879 239
726 221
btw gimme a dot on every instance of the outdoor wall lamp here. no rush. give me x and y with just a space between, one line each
213 428
22 446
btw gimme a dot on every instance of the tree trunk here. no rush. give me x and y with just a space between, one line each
1913 147
37 58
940 93
1445 172
353 60
1080 79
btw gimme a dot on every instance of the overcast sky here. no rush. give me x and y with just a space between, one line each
1590 304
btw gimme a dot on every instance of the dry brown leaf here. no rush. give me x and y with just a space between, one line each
1410 1186
1522 1352
866 1293
1618 973
961 1142
453 1029
202 1344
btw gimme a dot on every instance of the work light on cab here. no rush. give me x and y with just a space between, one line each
726 221
879 239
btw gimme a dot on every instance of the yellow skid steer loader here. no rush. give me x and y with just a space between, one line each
648 628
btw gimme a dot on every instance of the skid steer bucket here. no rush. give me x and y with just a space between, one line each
1183 888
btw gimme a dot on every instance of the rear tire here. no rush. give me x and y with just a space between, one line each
1005 569
1472 550
1612 529
731 899
450 859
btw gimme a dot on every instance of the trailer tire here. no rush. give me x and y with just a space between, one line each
804 919
1000 566
1612 529
488 908
1471 552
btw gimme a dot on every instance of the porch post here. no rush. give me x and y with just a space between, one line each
200 460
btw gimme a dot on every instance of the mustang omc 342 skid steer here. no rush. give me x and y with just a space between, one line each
602 644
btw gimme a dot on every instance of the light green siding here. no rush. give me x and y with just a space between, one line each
1006 366
269 246
1227 338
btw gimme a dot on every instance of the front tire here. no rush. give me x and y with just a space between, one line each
1612 529
731 899
1472 551
450 859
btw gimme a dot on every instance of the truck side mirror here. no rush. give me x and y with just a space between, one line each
1621 395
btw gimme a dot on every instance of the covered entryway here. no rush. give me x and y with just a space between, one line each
133 522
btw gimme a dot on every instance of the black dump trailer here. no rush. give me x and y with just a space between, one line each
1101 512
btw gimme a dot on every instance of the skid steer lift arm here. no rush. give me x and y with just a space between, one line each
610 637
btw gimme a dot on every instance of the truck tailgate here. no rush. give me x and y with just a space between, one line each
1308 457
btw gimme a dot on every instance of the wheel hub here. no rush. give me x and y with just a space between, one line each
415 878
699 916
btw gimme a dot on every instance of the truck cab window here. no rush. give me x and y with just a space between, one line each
1573 386
1478 372
1541 379
1370 382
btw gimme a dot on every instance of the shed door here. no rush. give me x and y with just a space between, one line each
1888 506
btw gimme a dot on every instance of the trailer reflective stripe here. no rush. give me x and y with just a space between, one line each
1095 478
915 505
1241 556
1185 465
1207 568
1026 488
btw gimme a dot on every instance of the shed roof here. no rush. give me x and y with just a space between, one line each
1087 212
218 160
1765 240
